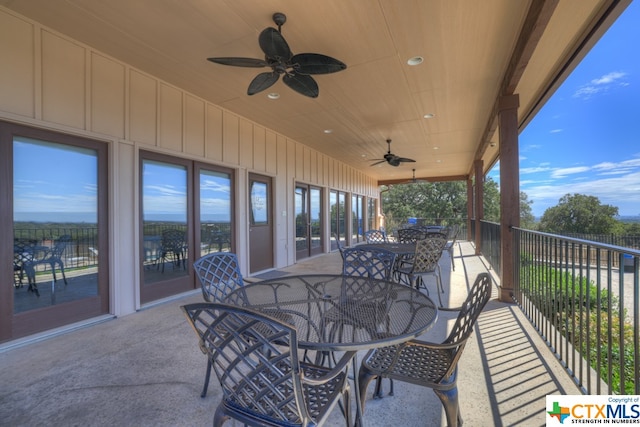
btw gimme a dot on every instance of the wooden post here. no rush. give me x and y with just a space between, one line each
479 202
469 206
509 191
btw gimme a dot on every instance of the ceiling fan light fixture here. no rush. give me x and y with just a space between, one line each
273 95
429 116
416 60
328 131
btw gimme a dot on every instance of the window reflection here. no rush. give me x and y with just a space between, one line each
55 225
259 200
215 212
164 213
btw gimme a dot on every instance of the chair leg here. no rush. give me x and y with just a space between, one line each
347 407
220 416
449 399
439 283
364 378
453 261
206 380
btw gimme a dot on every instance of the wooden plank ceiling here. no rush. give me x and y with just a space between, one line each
474 51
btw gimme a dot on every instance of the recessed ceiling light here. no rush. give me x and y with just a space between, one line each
328 131
273 95
429 116
436 148
438 161
416 60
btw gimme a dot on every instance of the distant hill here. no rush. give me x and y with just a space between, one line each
629 218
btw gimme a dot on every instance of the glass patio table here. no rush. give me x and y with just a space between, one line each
342 313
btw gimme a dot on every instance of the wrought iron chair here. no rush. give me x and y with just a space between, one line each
28 255
377 263
263 381
425 263
173 247
452 236
433 365
219 275
375 236
411 235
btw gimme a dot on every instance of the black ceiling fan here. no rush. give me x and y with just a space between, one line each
392 159
415 180
296 69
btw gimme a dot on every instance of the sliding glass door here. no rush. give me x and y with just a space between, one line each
186 212
55 253
308 211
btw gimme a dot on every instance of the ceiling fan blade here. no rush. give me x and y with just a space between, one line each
303 84
315 63
404 159
261 82
377 163
240 62
274 45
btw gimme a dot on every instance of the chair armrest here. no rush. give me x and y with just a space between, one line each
335 371
438 346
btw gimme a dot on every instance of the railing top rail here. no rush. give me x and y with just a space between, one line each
614 248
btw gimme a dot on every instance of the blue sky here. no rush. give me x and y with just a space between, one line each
585 139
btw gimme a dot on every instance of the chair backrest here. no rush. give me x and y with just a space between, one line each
376 263
219 274
427 254
255 358
452 232
59 245
410 235
375 236
173 239
471 308
436 235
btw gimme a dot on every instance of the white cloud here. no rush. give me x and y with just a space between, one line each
562 172
617 184
556 130
601 84
535 169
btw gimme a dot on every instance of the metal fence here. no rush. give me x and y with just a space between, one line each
583 298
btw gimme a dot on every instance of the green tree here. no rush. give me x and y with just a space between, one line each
433 201
491 198
578 213
527 220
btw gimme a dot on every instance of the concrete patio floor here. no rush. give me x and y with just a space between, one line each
146 369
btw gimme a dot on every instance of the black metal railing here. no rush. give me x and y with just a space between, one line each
583 298
490 243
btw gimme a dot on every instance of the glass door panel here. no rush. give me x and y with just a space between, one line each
215 211
165 232
315 220
357 233
302 222
337 214
55 224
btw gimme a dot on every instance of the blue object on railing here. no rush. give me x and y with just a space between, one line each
628 262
